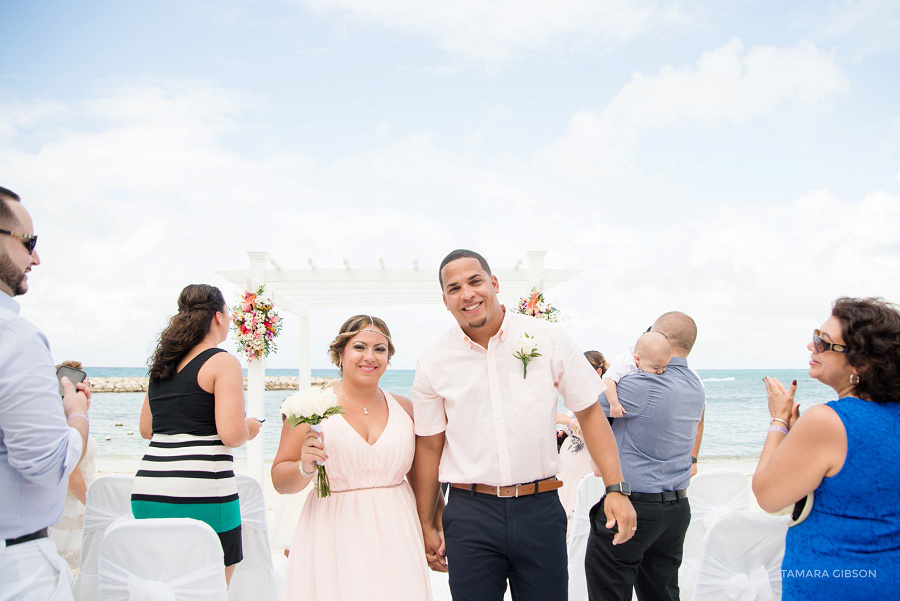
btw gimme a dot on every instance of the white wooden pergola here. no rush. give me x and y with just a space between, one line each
299 291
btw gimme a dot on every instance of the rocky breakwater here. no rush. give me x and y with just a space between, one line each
140 384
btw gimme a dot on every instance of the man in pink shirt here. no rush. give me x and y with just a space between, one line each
485 423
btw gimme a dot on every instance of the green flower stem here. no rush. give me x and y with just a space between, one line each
323 486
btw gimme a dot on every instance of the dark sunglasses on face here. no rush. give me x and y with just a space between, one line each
28 241
821 345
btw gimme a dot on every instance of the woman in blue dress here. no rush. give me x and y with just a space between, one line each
845 452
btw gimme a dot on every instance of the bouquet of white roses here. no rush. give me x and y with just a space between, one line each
313 406
527 351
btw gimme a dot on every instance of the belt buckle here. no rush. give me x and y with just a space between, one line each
517 491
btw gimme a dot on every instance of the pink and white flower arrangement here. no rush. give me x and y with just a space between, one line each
534 305
255 323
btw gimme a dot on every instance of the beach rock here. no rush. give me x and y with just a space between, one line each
140 384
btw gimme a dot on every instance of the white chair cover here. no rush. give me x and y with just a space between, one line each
741 559
712 494
165 559
108 499
254 578
590 490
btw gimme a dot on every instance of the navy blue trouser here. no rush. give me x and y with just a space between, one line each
491 539
648 562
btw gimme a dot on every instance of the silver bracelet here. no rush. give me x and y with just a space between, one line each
81 415
778 419
303 472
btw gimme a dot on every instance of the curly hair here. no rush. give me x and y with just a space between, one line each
597 361
871 330
197 304
351 328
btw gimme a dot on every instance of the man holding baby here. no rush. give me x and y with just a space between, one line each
655 432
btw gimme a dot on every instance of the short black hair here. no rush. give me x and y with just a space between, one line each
462 253
6 215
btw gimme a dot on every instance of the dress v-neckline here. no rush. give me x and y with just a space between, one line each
386 424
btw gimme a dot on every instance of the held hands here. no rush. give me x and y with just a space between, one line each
781 401
312 451
619 511
253 427
435 551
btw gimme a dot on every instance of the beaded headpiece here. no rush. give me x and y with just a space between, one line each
372 321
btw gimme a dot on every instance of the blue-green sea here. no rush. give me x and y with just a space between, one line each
736 410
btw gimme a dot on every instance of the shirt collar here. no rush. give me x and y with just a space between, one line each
8 302
680 361
502 333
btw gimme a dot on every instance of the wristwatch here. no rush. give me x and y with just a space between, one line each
693 459
621 487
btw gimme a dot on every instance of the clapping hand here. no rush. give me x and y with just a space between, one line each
781 401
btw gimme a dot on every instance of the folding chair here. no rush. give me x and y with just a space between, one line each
741 558
108 499
712 494
255 577
162 560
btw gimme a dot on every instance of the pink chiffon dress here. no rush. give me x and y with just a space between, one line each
364 541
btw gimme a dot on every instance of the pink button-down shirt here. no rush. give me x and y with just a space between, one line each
500 427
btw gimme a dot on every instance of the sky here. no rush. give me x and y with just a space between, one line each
736 160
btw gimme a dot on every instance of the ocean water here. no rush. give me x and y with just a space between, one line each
736 410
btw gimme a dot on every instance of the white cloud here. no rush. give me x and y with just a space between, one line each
498 31
144 197
728 84
865 26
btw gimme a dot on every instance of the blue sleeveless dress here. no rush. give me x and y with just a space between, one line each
849 546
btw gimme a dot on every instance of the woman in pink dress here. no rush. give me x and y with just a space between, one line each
364 541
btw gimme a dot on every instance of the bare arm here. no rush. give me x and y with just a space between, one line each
298 444
224 371
615 407
602 447
792 466
425 475
411 475
146 424
695 452
77 486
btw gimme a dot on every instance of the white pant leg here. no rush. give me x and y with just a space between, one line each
34 571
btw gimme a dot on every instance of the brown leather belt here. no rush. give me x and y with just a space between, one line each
516 490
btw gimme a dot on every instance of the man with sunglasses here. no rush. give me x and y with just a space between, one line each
42 438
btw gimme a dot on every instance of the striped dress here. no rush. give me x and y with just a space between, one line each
187 472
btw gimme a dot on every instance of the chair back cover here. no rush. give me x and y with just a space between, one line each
108 499
254 578
712 494
590 490
741 559
165 559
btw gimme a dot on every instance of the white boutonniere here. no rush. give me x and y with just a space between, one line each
527 351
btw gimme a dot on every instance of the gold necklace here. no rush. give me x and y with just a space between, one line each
364 408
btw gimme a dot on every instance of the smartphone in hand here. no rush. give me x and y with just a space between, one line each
75 376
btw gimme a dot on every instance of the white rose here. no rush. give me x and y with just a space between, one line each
527 345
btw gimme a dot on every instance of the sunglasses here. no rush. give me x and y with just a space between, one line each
821 345
29 242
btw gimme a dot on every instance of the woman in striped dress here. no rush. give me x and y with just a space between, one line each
193 415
